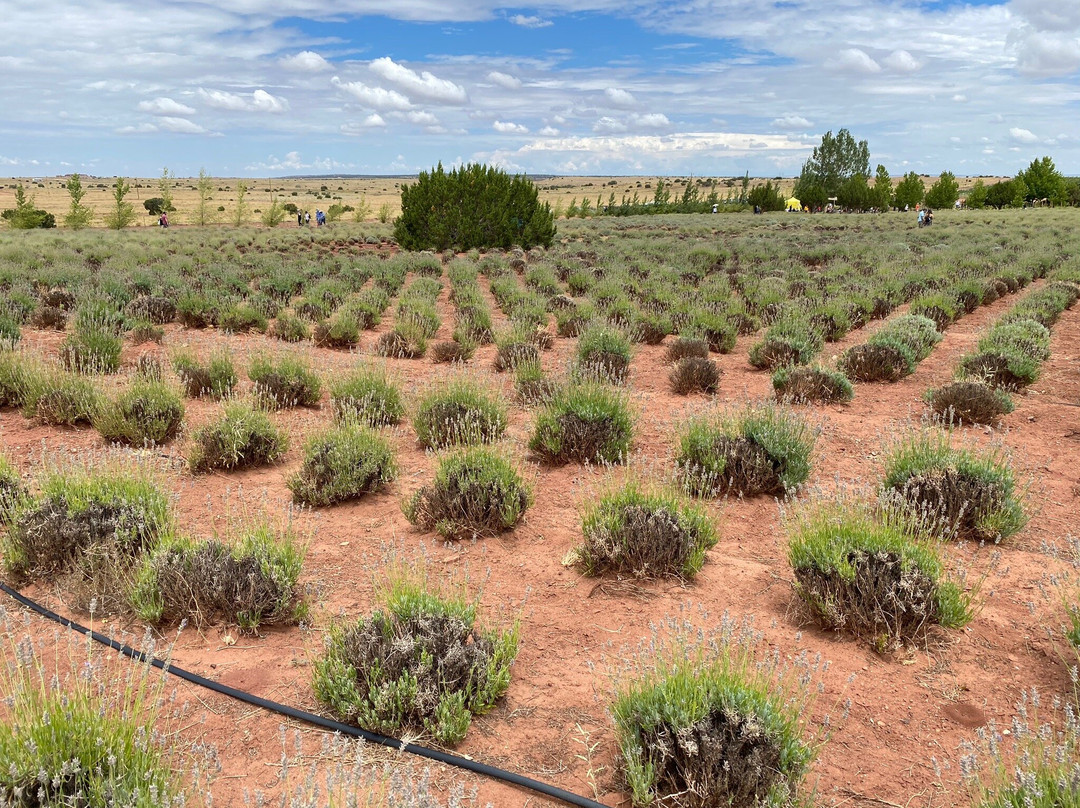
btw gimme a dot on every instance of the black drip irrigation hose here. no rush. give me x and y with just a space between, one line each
483 769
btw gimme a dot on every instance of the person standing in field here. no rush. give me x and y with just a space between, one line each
307 218
299 218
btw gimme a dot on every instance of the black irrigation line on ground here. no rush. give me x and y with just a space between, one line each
482 769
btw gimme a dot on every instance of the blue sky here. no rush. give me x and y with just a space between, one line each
703 87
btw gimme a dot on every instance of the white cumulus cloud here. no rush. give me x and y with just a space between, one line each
422 118
792 123
257 101
423 85
608 125
1023 135
165 106
901 61
182 126
854 60
509 128
530 22
504 80
619 98
652 120
305 62
375 97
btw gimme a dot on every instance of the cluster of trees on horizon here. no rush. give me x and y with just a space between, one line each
837 172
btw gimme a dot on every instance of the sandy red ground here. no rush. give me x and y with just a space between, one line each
906 709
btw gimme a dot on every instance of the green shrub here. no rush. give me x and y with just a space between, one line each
147 413
645 533
585 423
19 376
718 331
603 355
1025 337
88 735
343 463
58 398
85 514
10 333
156 310
869 575
215 379
472 206
368 396
145 331
195 311
477 492
711 723
811 384
883 360
420 663
938 307
1044 306
693 374
919 334
289 382
242 438
515 347
253 582
957 492
762 449
342 331
791 341
532 386
288 328
461 412
685 347
12 490
242 318
92 351
967 402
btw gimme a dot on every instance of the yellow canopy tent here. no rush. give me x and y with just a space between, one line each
793 204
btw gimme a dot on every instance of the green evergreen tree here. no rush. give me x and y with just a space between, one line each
944 192
240 215
976 198
472 206
1043 181
910 191
834 162
882 191
24 216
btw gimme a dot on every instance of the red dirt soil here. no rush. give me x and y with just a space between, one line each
905 709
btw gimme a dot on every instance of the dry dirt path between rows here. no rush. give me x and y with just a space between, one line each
905 710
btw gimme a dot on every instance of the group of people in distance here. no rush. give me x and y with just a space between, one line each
303 217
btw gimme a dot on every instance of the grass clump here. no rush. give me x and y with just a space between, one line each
59 398
20 375
368 396
12 490
892 352
532 386
868 574
289 382
86 736
959 493
147 413
687 347
969 402
603 355
790 341
694 374
242 438
419 663
343 463
88 524
585 423
515 347
477 492
762 449
289 328
711 723
92 350
462 412
342 331
645 533
803 385
215 379
1009 356
252 582
242 318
